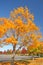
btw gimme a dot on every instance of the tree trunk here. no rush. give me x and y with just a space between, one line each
12 61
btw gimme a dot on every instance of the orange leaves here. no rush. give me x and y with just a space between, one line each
35 37
34 48
32 26
5 63
7 24
19 10
10 40
32 36
2 30
18 22
39 36
31 47
24 12
35 40
19 15
20 26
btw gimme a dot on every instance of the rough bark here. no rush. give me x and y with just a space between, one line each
12 61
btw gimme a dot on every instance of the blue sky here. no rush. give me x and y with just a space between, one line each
35 7
6 47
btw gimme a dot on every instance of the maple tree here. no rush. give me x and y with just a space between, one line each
21 28
23 20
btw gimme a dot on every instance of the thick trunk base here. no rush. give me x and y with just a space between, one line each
12 61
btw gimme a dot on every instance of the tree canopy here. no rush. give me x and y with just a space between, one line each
21 26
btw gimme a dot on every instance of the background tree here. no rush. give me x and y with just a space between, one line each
23 51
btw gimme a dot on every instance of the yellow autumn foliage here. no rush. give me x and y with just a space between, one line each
7 23
10 40
32 26
18 15
20 23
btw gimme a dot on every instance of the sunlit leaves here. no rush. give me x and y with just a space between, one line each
10 40
32 26
24 12
18 16
8 23
2 30
21 21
